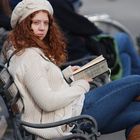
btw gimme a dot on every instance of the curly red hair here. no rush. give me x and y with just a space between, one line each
53 45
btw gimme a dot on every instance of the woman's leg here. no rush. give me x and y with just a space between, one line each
127 118
126 64
135 70
107 102
125 45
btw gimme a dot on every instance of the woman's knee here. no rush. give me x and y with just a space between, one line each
133 78
121 40
122 35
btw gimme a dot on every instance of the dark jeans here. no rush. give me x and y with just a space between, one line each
113 105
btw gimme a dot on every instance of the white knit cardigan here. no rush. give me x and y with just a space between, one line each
47 97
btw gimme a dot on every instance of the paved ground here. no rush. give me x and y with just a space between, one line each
114 136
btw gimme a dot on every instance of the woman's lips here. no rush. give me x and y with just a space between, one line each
40 34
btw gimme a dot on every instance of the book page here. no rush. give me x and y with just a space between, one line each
93 71
92 62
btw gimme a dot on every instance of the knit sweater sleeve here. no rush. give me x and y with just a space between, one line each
38 85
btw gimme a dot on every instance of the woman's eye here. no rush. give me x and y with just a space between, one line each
46 23
35 22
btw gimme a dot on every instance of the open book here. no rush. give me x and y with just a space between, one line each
92 69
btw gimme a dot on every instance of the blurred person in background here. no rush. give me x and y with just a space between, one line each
13 3
72 25
5 13
79 29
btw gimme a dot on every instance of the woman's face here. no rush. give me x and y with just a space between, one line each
40 24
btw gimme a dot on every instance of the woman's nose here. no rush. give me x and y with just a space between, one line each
41 26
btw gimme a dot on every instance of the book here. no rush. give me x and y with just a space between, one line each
92 69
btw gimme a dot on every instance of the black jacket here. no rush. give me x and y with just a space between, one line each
76 27
71 21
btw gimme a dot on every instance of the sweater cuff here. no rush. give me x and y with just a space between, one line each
81 83
67 73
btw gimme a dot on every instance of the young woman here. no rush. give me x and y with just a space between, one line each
47 97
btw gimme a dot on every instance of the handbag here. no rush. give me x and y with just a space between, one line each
106 45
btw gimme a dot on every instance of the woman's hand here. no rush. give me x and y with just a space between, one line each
89 80
74 68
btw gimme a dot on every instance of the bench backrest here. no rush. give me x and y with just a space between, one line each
9 91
